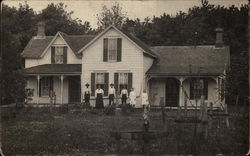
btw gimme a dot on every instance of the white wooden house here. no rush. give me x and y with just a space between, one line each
65 63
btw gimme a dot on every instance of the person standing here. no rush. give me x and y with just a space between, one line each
111 93
132 97
124 95
87 94
99 97
145 103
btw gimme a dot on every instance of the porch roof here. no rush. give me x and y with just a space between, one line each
54 69
188 60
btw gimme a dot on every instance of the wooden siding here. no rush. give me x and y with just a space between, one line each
46 59
157 87
32 84
132 61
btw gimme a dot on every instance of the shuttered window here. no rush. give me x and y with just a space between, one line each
112 49
198 87
59 54
46 86
99 79
123 80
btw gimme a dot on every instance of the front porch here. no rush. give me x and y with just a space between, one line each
181 91
53 84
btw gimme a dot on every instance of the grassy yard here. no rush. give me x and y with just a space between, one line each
56 131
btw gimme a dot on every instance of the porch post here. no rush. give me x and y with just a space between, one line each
181 91
38 88
62 77
218 88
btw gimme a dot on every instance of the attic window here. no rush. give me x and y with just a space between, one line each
59 55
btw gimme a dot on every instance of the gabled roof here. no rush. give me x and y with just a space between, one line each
36 47
54 69
188 60
132 38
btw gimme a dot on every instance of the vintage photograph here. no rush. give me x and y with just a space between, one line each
124 77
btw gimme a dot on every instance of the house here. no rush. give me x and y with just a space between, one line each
176 75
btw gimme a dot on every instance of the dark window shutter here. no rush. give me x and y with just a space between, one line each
191 88
130 81
106 84
52 55
65 54
40 82
119 49
51 83
92 84
205 91
105 50
116 77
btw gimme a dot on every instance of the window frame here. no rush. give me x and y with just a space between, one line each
103 74
116 51
62 54
46 80
119 83
203 90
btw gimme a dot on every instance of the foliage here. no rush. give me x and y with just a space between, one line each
113 16
58 19
18 27
197 27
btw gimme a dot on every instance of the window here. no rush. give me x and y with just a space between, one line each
99 80
123 81
112 49
46 85
59 55
198 87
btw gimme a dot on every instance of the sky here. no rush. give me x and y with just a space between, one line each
87 10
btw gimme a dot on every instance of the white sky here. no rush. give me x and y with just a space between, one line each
87 10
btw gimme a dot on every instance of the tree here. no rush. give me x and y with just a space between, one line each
113 16
12 79
58 19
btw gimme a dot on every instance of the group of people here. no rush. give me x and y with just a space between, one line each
112 94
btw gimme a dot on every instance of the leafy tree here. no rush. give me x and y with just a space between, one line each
58 19
12 79
113 16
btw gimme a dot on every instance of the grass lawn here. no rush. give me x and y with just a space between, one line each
56 131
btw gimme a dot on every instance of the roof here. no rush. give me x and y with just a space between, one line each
188 60
138 42
54 69
36 46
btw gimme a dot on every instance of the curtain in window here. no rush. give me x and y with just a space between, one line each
112 49
59 55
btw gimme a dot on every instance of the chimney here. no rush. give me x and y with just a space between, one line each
40 30
219 38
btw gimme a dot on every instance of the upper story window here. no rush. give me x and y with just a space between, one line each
112 49
59 54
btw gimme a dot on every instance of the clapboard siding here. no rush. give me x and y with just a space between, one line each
46 59
132 60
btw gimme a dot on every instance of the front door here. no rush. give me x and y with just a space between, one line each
74 89
172 92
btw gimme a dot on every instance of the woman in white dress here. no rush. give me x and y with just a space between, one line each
132 97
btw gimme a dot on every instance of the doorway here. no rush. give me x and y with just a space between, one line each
172 92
